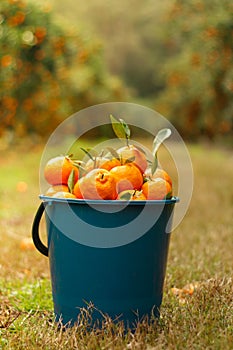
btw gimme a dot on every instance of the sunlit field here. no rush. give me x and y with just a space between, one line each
197 307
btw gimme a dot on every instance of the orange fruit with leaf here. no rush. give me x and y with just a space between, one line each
159 184
127 177
97 184
159 173
120 174
64 194
132 153
56 188
128 152
157 189
102 163
132 195
58 170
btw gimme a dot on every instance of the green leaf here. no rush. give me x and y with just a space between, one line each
91 154
113 152
78 163
126 128
81 167
126 196
71 180
162 135
118 128
82 171
154 164
169 195
129 160
101 154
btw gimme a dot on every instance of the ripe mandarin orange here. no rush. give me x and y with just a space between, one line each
128 177
63 195
58 169
102 163
132 195
159 173
157 189
97 184
77 190
56 188
129 152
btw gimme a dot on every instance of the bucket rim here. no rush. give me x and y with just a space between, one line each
48 199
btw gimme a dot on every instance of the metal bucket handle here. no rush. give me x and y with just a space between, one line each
35 231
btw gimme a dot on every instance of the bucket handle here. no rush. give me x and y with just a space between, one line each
35 231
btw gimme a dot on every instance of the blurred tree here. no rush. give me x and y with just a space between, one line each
46 70
131 32
198 96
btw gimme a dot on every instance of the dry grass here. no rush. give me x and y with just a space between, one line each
200 253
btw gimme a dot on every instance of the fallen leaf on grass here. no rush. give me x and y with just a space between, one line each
21 186
27 244
186 291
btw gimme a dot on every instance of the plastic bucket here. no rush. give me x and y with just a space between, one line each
95 257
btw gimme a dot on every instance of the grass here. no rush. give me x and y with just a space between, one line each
200 253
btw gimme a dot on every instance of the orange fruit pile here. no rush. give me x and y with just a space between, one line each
120 174
131 152
58 169
97 184
157 189
125 178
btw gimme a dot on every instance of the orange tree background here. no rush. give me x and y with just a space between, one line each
198 75
175 56
47 71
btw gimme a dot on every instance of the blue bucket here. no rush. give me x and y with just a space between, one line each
112 254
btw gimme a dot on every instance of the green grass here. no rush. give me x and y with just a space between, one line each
200 252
